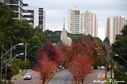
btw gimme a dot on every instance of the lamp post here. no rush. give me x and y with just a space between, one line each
2 55
121 58
31 49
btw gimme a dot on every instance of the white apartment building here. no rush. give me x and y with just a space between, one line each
89 23
34 15
16 6
113 26
74 20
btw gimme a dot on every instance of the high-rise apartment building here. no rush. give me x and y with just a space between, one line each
28 14
35 16
113 26
74 20
88 23
2 1
16 6
126 22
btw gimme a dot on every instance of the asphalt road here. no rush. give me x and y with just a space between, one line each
35 79
93 78
63 77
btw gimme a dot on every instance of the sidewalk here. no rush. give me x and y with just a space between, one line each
19 76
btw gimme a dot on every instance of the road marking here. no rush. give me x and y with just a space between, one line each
101 76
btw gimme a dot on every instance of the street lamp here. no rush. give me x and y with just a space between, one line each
121 58
10 50
31 49
13 47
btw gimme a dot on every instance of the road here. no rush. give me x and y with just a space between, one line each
63 77
35 79
93 78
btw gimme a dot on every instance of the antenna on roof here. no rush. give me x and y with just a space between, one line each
63 22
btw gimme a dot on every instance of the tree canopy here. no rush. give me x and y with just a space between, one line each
119 47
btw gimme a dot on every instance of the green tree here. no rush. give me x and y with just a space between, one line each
99 54
119 47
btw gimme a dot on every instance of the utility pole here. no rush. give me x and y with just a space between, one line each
25 51
11 54
1 63
0 71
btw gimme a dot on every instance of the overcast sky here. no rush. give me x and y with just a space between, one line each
57 9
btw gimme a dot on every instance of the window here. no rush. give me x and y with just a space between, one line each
14 8
16 15
14 1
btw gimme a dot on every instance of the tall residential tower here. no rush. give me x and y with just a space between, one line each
16 6
35 16
89 23
74 20
113 26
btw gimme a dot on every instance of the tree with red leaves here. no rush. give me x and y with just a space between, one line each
66 50
48 57
45 66
82 61
53 53
80 66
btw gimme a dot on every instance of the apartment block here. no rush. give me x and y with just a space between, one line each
89 23
16 6
114 25
74 20
34 15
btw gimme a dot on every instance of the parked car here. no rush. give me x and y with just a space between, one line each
27 76
102 67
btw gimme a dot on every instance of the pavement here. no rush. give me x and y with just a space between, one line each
63 77
35 79
95 77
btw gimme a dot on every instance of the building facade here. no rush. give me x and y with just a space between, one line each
16 6
113 26
2 1
89 23
28 14
74 20
35 16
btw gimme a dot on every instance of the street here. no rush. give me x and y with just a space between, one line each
93 77
63 77
35 79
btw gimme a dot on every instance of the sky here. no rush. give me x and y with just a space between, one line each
57 9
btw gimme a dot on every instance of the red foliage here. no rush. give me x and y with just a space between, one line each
85 45
52 52
82 60
80 66
66 50
44 65
90 45
48 57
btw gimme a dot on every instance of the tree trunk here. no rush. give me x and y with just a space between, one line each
43 81
75 81
78 81
82 81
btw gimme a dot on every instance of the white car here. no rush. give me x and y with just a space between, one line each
27 76
102 67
